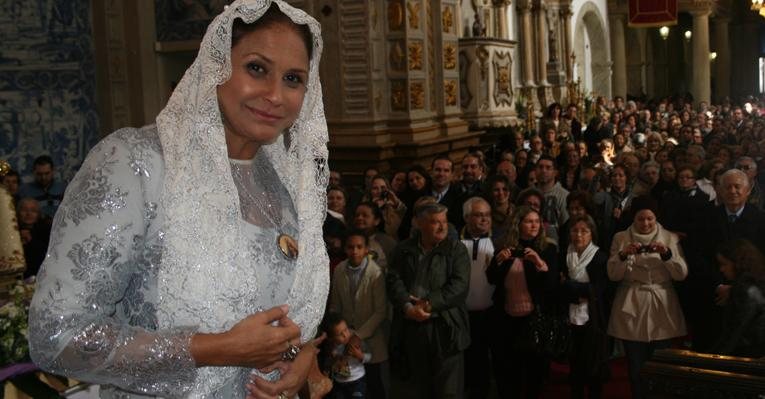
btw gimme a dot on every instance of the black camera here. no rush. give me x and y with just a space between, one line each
384 195
518 252
645 248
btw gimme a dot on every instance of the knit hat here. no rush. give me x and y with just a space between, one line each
644 202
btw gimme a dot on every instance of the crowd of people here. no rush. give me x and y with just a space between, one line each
645 225
642 226
36 204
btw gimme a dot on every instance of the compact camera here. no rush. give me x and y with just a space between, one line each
645 248
517 253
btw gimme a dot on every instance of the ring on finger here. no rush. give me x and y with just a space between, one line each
291 353
282 395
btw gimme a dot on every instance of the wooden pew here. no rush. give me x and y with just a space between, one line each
673 373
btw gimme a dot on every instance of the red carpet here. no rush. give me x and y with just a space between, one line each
618 387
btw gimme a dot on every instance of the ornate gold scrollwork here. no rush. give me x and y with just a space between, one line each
414 14
447 19
415 56
417 95
395 15
450 92
398 95
450 56
503 91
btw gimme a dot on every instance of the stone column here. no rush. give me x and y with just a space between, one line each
722 63
527 42
500 18
701 75
565 15
540 43
618 55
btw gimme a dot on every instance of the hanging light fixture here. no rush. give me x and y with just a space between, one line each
759 6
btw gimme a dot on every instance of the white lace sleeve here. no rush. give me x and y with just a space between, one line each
93 317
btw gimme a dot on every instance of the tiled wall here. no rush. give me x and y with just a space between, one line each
47 83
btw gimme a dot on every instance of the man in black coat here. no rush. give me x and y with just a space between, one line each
446 193
733 218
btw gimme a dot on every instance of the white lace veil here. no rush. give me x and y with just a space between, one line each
202 233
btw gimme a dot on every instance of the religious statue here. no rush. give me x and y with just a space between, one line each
479 29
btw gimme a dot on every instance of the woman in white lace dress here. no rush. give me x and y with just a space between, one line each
187 259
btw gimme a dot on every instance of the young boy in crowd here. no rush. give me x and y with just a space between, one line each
358 295
346 359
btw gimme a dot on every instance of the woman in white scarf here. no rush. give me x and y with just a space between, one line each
585 287
646 311
187 258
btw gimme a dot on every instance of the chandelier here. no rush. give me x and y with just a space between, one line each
759 6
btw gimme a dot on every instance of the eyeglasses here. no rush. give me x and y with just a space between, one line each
746 167
480 215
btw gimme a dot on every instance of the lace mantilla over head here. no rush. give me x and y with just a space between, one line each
199 282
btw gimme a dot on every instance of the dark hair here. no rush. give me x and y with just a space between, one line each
271 17
424 173
12 172
551 108
333 228
685 167
531 192
376 212
330 321
747 259
546 157
335 187
43 160
442 158
590 225
584 199
356 233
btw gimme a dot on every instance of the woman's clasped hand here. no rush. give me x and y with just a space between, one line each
293 374
528 254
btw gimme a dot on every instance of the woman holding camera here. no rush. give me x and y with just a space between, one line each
392 208
646 311
525 273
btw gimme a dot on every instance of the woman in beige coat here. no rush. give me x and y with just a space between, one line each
358 294
646 312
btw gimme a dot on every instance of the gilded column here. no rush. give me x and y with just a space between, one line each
527 42
618 55
722 63
701 73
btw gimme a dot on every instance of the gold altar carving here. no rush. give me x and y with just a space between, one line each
503 92
450 56
398 95
447 19
450 92
413 8
395 15
417 95
396 55
415 56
